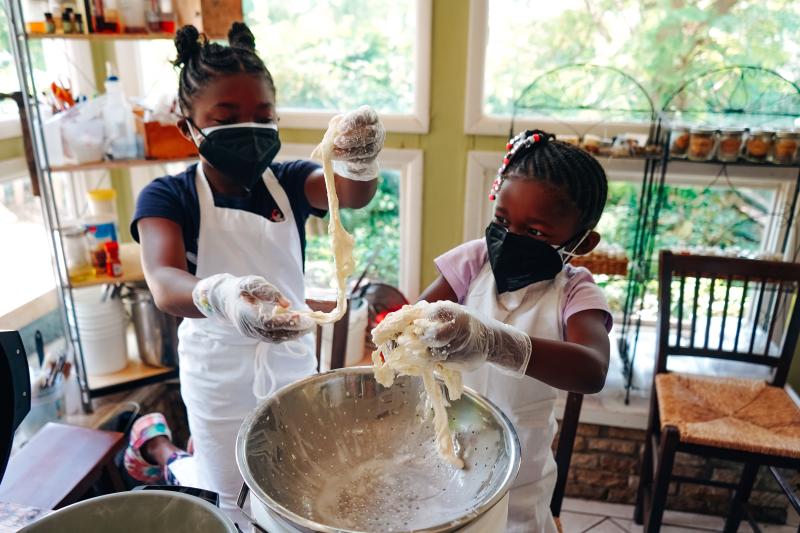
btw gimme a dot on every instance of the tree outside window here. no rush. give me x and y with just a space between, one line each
661 43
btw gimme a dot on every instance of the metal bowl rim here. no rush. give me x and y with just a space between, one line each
255 489
155 493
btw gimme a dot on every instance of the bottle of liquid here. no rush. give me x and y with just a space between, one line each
111 16
167 11
34 15
132 15
113 264
118 122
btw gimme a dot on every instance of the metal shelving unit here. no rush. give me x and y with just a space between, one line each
740 96
136 374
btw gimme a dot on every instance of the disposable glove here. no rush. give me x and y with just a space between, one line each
248 304
358 141
457 335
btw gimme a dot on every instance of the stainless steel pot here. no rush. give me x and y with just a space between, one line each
337 452
156 331
155 511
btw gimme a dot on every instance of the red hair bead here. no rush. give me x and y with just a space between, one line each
491 197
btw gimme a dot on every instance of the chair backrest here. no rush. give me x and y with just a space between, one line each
339 339
566 441
728 308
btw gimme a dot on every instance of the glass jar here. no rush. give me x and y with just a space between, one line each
76 251
679 141
730 144
759 145
786 144
702 143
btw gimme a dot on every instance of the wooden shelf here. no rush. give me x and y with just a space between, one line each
134 375
127 163
129 255
103 36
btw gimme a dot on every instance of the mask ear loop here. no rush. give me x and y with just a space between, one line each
566 257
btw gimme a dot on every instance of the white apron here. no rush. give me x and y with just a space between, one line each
528 403
223 373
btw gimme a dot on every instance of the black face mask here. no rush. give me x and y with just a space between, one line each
242 152
518 261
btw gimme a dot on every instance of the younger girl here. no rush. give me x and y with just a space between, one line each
543 323
223 242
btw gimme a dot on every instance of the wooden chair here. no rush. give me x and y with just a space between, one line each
744 420
60 465
340 327
566 441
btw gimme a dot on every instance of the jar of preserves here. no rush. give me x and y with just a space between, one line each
786 145
702 144
679 141
730 144
759 145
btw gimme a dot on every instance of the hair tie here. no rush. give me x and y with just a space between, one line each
522 141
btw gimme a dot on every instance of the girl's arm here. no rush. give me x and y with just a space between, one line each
438 291
165 270
352 194
579 363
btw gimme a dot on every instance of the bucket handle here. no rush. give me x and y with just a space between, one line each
240 504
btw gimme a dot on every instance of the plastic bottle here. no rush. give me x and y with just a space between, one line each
132 15
120 130
111 16
113 264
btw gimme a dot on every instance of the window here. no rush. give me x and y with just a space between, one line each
391 219
325 57
333 56
744 208
25 272
660 45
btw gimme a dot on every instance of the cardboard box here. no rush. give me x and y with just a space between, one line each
163 142
212 17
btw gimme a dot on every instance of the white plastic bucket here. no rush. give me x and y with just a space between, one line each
102 326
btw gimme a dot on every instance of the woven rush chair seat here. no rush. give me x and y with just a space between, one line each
733 413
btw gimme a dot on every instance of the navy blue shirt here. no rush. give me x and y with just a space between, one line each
175 198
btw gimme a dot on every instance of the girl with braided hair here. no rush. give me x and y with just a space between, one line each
223 244
513 300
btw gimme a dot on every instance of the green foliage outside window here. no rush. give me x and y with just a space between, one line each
376 229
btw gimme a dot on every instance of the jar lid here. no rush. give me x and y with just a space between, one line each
755 132
704 130
102 195
731 131
787 133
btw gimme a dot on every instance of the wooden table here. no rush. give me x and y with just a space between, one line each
60 464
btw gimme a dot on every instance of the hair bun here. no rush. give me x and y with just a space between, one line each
240 36
188 44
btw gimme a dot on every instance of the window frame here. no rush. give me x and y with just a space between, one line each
418 121
410 165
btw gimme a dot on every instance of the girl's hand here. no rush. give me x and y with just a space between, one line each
357 144
248 303
456 335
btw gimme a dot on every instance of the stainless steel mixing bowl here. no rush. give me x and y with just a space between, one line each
337 452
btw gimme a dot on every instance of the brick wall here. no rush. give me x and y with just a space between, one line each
606 462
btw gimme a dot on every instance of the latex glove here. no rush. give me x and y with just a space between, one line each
247 303
357 144
457 335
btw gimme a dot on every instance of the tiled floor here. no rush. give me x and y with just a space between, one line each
579 516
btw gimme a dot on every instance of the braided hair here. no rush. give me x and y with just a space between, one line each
201 61
537 155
